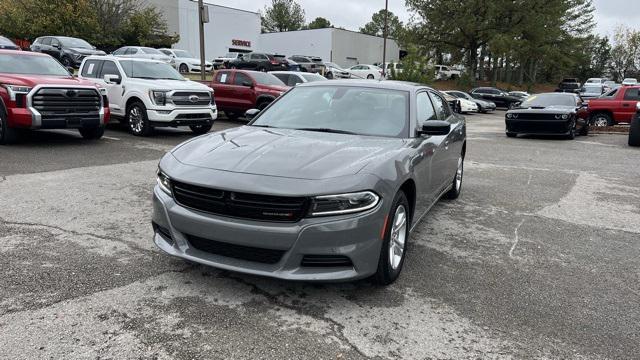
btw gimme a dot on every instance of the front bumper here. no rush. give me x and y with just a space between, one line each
197 68
539 127
355 236
182 116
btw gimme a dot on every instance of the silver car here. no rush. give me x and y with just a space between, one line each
325 184
142 52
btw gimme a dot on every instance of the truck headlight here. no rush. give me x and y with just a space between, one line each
164 182
343 203
159 97
14 90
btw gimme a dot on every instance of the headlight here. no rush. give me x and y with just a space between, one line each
164 183
158 97
343 203
13 90
565 116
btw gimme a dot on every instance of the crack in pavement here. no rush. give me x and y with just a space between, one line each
337 328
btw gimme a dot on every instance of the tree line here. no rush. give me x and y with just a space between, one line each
107 24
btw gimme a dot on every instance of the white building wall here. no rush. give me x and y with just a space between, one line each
351 48
315 42
225 25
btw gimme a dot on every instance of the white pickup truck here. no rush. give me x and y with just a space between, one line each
446 73
147 93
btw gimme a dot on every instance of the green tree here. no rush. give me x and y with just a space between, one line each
376 25
319 23
283 15
625 54
147 27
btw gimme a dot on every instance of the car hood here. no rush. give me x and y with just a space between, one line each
161 84
555 109
33 80
284 153
85 51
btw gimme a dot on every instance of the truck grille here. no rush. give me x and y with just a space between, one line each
67 102
240 205
248 253
191 98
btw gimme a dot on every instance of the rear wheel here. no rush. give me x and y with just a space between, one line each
92 133
137 119
263 104
394 245
7 134
232 115
602 119
370 77
200 129
184 68
634 132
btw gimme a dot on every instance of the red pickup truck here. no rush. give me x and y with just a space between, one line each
237 91
616 106
36 92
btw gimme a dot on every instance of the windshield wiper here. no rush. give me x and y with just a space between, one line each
328 130
263 126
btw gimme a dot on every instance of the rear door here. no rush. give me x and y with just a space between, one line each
55 49
627 107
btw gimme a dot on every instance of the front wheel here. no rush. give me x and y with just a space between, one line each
7 134
601 119
572 131
137 120
184 68
200 129
394 245
370 77
92 133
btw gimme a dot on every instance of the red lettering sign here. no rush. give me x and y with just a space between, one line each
244 43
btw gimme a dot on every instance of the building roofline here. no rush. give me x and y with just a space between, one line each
208 2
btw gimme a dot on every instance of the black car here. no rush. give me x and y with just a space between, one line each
634 128
69 51
260 62
499 97
548 114
569 85
7 44
484 106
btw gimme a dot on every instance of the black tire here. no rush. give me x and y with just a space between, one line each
572 132
329 75
456 186
584 131
387 272
263 104
511 134
138 126
200 129
93 133
66 61
370 77
184 68
262 69
8 135
232 115
634 132
601 119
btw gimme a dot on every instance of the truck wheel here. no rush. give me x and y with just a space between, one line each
601 119
137 119
200 129
7 134
634 132
394 244
92 133
66 61
263 104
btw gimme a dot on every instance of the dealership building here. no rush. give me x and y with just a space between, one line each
232 29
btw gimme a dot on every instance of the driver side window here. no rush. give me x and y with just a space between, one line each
241 79
424 108
441 107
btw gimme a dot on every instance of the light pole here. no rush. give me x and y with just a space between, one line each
384 41
201 21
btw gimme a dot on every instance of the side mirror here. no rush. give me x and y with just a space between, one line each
112 79
251 113
247 84
435 127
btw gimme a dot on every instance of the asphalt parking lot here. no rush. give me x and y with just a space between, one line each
539 258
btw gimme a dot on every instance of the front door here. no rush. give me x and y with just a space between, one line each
114 91
443 165
422 162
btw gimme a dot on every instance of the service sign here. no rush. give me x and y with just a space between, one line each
244 43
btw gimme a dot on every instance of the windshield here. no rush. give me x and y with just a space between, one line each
313 77
149 70
357 110
267 79
151 51
75 43
30 64
182 54
544 100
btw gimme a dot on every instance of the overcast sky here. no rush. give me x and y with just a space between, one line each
353 14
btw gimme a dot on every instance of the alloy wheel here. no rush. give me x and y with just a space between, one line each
398 237
601 121
136 122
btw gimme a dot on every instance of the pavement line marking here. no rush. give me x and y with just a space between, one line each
529 181
515 243
110 138
595 143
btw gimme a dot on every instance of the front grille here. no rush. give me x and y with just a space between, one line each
65 103
189 98
206 116
248 253
326 261
535 116
240 205
538 127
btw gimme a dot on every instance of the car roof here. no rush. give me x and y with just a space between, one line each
378 84
116 58
23 53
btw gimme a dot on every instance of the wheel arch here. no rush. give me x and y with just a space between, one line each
409 189
131 100
264 98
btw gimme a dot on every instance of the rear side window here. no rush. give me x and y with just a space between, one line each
131 51
283 77
223 77
91 69
109 68
631 94
46 41
241 79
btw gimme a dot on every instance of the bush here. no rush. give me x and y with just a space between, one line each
415 70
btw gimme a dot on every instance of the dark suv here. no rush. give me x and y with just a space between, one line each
69 51
499 97
259 62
